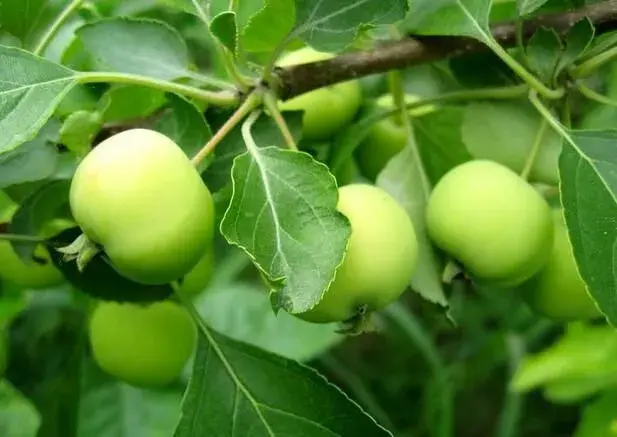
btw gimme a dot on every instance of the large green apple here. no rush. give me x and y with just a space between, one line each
142 345
139 197
557 291
327 109
386 138
380 259
490 220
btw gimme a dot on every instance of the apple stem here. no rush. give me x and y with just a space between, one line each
22 238
252 101
535 148
270 102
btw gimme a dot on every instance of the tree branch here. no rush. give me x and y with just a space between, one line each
412 51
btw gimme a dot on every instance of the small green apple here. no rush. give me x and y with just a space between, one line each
492 221
327 109
380 259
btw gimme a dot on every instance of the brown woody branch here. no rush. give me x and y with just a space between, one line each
419 50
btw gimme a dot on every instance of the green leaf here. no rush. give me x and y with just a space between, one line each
583 351
224 28
131 102
600 44
239 387
184 124
483 131
79 130
441 145
588 170
25 19
137 46
264 131
34 160
35 211
11 304
283 214
599 417
544 51
526 7
333 25
46 352
578 41
18 417
30 89
268 26
99 279
143 412
405 179
243 312
450 17
578 389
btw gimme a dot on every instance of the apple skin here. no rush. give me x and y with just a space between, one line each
491 221
558 291
146 346
138 195
326 110
380 259
199 277
386 138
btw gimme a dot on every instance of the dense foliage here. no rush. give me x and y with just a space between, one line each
351 218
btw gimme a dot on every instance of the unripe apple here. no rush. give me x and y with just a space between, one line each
380 259
387 137
142 345
557 291
139 197
327 109
492 221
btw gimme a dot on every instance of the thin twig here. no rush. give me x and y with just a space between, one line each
535 148
251 102
298 79
55 26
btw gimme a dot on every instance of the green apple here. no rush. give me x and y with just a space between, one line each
557 291
198 278
387 137
138 196
380 259
142 345
492 221
326 110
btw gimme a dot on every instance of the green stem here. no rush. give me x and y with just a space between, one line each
535 148
408 324
593 95
592 64
513 402
22 238
232 70
398 95
251 102
249 141
232 5
55 26
271 105
219 98
360 390
212 82
529 78
546 113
